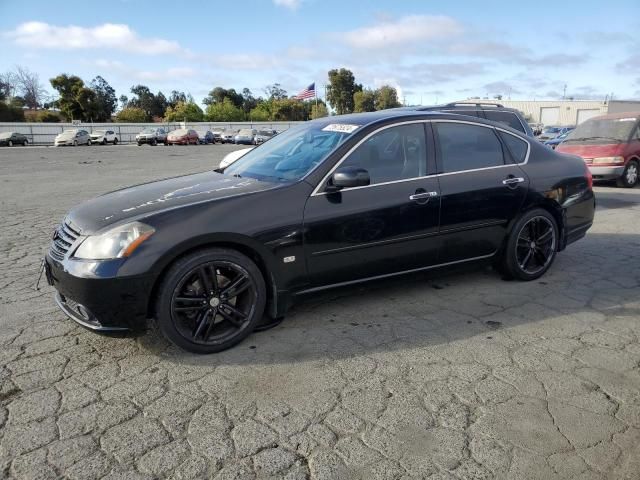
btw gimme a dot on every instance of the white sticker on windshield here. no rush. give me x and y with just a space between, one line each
340 127
632 119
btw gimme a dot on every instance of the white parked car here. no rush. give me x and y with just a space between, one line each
74 136
104 136
233 156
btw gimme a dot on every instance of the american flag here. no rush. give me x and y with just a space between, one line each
308 92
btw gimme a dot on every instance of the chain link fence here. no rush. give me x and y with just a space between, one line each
45 133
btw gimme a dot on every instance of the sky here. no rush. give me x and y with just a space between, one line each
432 52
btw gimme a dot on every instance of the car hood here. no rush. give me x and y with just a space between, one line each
65 136
591 151
140 200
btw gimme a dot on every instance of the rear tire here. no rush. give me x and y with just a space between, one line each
88 143
210 300
25 143
154 142
10 143
629 178
532 246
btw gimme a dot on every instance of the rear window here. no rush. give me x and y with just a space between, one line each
517 147
508 118
468 147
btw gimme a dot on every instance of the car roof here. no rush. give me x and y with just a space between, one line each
369 118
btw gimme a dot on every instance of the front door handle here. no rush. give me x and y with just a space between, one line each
512 180
422 195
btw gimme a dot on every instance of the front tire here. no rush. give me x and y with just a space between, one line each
115 141
210 300
10 143
88 143
532 246
25 143
629 178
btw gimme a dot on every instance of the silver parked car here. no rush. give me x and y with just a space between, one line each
152 136
104 136
262 136
245 136
228 135
73 136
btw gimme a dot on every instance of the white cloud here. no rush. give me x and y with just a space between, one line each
168 74
406 30
290 4
108 35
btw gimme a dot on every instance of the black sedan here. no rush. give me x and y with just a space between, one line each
205 137
9 139
327 203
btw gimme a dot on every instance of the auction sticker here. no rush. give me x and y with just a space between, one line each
340 127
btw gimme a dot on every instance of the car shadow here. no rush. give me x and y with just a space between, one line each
440 307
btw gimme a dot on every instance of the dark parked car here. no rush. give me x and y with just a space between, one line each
205 137
152 136
327 203
9 139
491 111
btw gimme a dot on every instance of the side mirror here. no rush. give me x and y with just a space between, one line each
348 177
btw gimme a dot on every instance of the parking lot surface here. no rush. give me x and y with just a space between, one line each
447 375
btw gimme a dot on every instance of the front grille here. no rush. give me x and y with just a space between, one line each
63 238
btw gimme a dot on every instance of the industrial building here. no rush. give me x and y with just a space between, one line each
566 112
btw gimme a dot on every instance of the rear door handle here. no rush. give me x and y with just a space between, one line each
422 196
512 181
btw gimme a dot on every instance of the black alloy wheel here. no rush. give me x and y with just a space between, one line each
532 245
211 300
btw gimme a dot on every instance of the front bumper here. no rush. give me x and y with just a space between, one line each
606 172
61 143
91 294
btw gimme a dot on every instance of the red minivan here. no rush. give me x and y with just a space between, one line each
609 145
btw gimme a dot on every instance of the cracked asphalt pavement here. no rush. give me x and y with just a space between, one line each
450 375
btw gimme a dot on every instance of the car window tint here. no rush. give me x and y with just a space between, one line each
466 147
508 118
517 147
469 113
394 153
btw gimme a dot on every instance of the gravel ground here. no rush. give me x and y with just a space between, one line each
448 375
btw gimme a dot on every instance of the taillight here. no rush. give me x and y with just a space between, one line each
588 176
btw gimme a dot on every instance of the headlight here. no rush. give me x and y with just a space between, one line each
608 160
118 242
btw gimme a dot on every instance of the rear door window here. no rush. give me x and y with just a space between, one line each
508 118
467 147
516 146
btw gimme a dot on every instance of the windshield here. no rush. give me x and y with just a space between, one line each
551 130
98 132
180 131
148 130
604 130
246 132
264 133
289 156
5 134
70 131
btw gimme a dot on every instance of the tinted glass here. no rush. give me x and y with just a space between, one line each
470 113
517 147
508 118
466 147
602 131
289 156
393 154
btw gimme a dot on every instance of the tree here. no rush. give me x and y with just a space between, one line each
340 91
364 101
386 97
288 109
10 113
249 102
8 85
30 87
106 101
131 115
318 111
275 92
69 88
224 111
124 101
218 94
153 105
261 113
183 111
176 97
